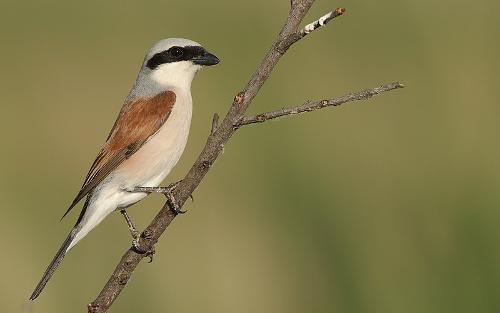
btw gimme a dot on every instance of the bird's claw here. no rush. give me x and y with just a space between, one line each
174 206
167 192
174 185
135 244
172 203
137 247
150 254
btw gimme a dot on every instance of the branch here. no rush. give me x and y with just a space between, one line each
218 137
310 106
321 21
309 28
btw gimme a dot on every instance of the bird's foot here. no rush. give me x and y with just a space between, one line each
135 238
147 253
133 231
167 192
150 254
137 247
135 243
172 203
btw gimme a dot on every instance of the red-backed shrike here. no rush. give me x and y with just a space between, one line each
145 143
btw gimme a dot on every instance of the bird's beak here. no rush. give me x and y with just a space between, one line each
206 59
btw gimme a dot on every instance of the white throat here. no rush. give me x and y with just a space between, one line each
178 75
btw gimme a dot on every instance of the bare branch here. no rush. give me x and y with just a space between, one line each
289 40
219 136
309 106
321 21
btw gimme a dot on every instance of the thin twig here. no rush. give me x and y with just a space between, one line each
218 137
309 106
292 38
321 21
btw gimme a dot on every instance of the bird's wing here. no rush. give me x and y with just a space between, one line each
137 122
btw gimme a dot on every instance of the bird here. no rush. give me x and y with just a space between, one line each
144 144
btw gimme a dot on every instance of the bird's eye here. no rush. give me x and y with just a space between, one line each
176 52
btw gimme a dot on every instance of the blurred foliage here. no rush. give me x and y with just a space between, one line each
388 205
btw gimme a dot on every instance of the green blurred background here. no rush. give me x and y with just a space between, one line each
386 205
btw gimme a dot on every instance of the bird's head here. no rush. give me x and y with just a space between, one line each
175 61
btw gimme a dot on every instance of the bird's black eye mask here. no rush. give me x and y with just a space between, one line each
175 54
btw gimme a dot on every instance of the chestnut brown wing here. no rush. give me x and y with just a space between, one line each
137 122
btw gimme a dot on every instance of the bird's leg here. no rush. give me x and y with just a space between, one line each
167 192
135 235
133 231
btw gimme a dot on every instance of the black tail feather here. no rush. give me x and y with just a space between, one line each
54 264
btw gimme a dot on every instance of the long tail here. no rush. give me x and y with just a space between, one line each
90 216
55 262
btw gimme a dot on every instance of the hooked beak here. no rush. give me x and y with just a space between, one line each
206 59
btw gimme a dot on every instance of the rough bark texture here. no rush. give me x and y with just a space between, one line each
218 137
